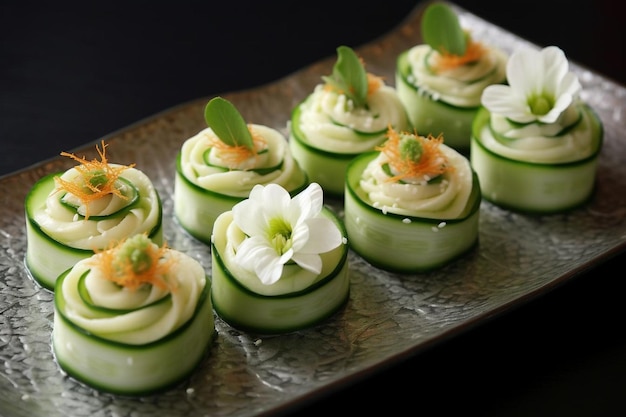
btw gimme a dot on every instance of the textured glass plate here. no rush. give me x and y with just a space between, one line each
388 316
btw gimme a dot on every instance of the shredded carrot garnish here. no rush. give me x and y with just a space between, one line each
134 262
235 155
446 61
98 178
431 163
374 82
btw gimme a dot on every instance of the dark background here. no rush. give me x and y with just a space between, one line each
72 72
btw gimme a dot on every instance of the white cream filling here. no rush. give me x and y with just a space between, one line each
238 182
140 326
330 122
536 142
461 86
445 199
65 226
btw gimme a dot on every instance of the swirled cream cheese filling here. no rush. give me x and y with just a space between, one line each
108 219
568 139
205 165
444 197
138 316
330 121
460 86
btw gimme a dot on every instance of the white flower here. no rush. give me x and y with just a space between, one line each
280 229
541 87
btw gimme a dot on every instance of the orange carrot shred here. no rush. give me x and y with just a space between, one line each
124 271
431 163
446 61
98 178
235 155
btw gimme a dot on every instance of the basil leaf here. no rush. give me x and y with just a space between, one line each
349 76
227 123
442 31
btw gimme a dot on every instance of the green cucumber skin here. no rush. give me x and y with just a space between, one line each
328 169
534 188
279 314
44 270
133 370
429 116
387 242
196 208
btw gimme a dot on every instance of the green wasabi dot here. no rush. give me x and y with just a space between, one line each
98 178
410 148
135 252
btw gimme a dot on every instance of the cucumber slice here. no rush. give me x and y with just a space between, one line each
196 208
328 169
540 188
260 171
406 244
132 194
362 133
274 314
132 370
97 310
431 116
46 258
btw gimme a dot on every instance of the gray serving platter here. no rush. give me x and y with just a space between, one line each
388 317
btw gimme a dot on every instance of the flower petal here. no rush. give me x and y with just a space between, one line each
324 236
308 261
524 72
309 202
256 256
501 99
275 201
245 216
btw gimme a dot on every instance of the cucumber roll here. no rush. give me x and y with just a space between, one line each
134 319
69 215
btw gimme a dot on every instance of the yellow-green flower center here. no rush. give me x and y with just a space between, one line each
279 233
540 104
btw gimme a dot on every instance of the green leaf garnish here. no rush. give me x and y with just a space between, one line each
227 123
442 31
349 76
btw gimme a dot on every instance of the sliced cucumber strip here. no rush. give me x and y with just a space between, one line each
406 244
132 194
260 171
46 258
365 134
273 314
126 369
541 188
196 208
431 116
328 169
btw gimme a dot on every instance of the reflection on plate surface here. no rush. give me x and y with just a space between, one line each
387 316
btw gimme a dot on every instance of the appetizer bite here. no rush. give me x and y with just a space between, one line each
412 205
535 143
344 116
218 167
441 81
133 319
279 264
70 215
